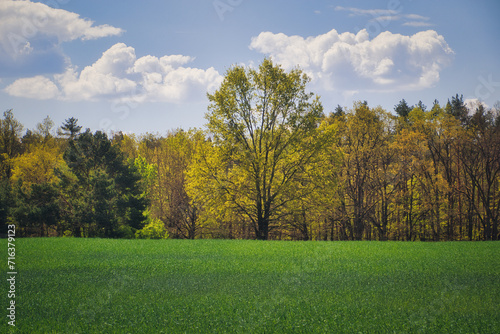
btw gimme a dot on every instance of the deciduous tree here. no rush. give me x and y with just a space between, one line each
10 142
264 127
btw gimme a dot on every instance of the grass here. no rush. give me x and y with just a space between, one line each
67 285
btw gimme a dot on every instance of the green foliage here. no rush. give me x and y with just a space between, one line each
36 208
147 171
458 109
6 203
70 285
126 232
265 132
44 129
38 164
10 143
269 166
70 129
153 229
104 194
163 162
402 108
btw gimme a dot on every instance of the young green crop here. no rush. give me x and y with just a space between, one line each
69 285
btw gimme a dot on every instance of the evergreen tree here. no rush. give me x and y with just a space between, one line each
70 129
402 108
458 109
37 208
422 106
105 191
339 111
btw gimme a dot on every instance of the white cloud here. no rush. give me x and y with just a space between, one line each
25 20
38 87
31 34
33 30
120 75
366 12
150 64
350 61
388 15
473 103
418 24
388 18
105 78
416 17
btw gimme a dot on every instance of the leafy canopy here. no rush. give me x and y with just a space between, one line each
265 130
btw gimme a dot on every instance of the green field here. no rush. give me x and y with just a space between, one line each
67 285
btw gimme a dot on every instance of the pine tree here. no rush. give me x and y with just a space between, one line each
402 108
70 129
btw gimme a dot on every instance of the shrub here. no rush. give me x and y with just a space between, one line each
125 232
154 229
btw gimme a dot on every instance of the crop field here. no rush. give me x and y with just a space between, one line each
69 285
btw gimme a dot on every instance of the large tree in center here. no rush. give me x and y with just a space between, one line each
265 132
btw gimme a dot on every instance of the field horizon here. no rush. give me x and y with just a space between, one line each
71 285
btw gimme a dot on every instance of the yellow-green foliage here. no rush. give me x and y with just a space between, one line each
38 165
154 229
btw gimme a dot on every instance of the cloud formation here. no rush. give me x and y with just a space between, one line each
31 33
120 75
347 61
417 24
473 104
366 12
37 87
22 21
388 15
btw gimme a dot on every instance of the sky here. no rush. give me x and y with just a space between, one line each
146 66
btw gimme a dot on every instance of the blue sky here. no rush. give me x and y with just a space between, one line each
145 66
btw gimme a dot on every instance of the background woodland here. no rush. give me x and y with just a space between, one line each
270 165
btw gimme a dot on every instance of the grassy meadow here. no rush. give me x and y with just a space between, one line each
69 285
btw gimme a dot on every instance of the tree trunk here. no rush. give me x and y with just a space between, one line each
262 228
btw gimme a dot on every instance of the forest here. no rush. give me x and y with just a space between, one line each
271 164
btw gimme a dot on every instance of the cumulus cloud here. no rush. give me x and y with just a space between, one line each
31 33
120 75
38 87
30 36
24 20
350 61
473 103
106 77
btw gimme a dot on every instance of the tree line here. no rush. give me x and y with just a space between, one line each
269 165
